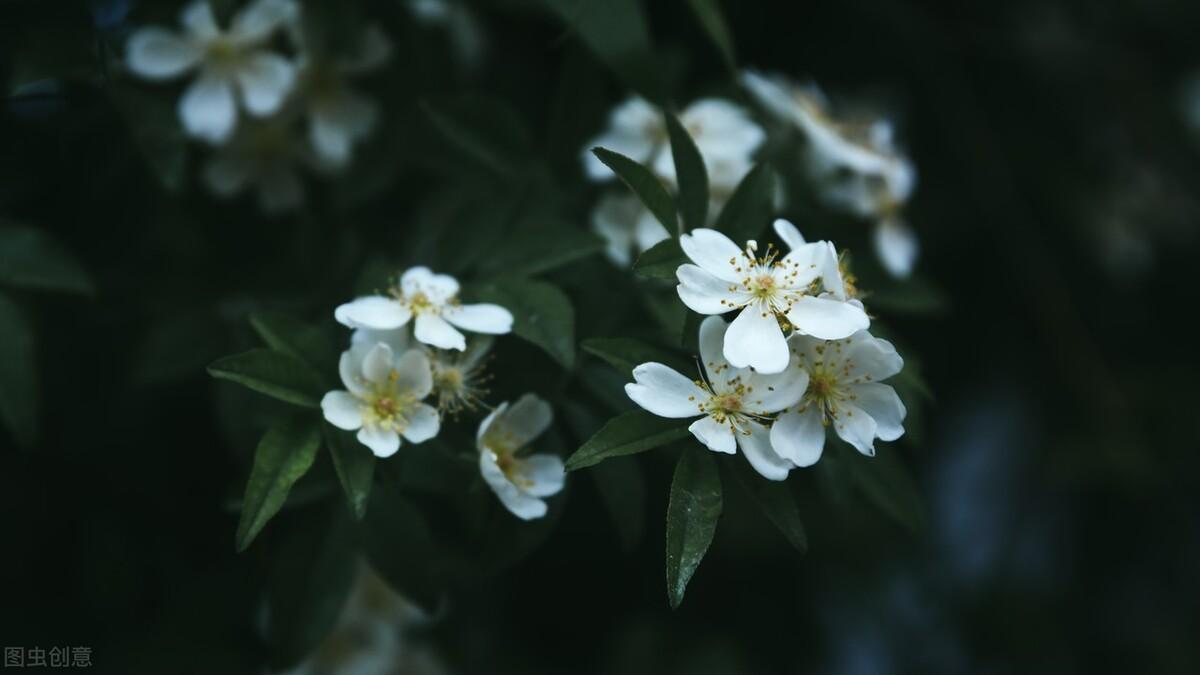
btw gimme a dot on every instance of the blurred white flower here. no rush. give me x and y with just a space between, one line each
723 132
229 63
433 300
338 116
804 290
519 481
383 397
266 156
734 404
856 166
845 392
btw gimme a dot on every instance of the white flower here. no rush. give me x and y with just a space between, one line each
845 392
226 60
433 300
338 116
263 155
734 404
626 225
458 379
519 482
804 289
383 397
725 136
857 166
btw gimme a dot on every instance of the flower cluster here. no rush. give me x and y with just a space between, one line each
389 374
796 360
238 70
855 165
725 136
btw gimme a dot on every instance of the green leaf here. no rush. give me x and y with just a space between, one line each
285 453
661 260
486 130
708 12
18 380
625 354
692 516
648 188
617 33
690 173
633 432
886 483
542 314
31 259
272 373
912 296
296 339
540 245
355 466
311 577
776 501
751 207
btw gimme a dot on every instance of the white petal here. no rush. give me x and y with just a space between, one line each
524 421
714 435
789 234
207 109
896 246
771 92
256 22
481 318
804 264
335 123
350 369
437 287
883 405
414 374
799 437
706 294
772 393
396 338
755 339
756 446
265 79
714 252
382 442
342 410
158 54
827 318
664 392
488 422
712 348
199 22
434 330
521 505
423 424
373 311
377 364
613 219
855 427
871 358
545 474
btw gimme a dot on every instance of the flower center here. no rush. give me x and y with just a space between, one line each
387 407
762 286
223 55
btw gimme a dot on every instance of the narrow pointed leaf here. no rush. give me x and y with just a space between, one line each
648 188
708 12
633 432
272 373
296 339
31 259
751 207
355 466
18 379
285 453
661 260
692 516
690 174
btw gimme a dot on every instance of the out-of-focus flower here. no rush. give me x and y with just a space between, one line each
264 155
856 166
232 64
803 290
433 300
725 136
338 116
458 379
845 392
459 21
520 482
383 397
734 404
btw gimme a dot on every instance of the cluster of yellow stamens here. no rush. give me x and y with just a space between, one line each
503 443
458 388
827 377
388 408
761 279
729 404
